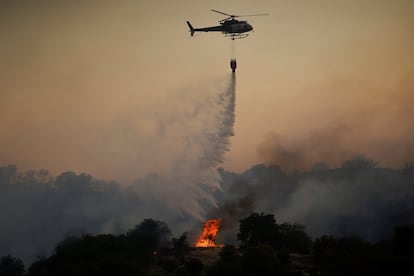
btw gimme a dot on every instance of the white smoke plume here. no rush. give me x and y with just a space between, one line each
200 133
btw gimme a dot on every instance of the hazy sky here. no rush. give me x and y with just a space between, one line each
85 86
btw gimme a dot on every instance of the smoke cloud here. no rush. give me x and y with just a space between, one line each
356 199
37 210
384 136
305 152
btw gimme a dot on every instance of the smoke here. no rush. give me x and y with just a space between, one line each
204 130
356 199
37 210
304 152
196 138
239 202
366 202
377 128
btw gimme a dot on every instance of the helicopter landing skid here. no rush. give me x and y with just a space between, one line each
236 36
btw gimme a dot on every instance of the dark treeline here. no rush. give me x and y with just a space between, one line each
106 254
266 248
38 209
359 198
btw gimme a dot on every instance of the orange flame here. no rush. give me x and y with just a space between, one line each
208 236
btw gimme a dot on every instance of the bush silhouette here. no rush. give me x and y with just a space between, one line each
11 266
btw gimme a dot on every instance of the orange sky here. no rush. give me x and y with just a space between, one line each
81 85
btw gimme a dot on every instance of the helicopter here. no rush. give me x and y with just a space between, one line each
229 26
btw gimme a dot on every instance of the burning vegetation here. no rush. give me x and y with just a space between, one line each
208 236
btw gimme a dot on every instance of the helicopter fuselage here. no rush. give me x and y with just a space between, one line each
231 27
236 27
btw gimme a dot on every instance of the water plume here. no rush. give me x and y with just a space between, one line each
201 133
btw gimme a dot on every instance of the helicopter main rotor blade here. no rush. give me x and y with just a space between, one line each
244 15
223 13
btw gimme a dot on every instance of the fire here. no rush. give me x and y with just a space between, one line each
208 237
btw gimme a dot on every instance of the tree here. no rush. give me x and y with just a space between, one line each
258 229
10 266
8 174
346 256
261 260
262 229
358 163
229 254
180 245
294 237
228 264
404 240
194 266
106 254
150 234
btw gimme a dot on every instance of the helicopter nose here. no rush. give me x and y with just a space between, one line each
249 27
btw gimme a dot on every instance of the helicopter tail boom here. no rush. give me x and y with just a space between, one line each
208 29
191 28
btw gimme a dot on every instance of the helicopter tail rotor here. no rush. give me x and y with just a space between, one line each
191 28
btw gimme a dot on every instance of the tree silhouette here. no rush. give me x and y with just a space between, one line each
180 245
106 254
359 162
149 235
294 237
404 240
261 260
8 174
10 266
258 229
228 264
